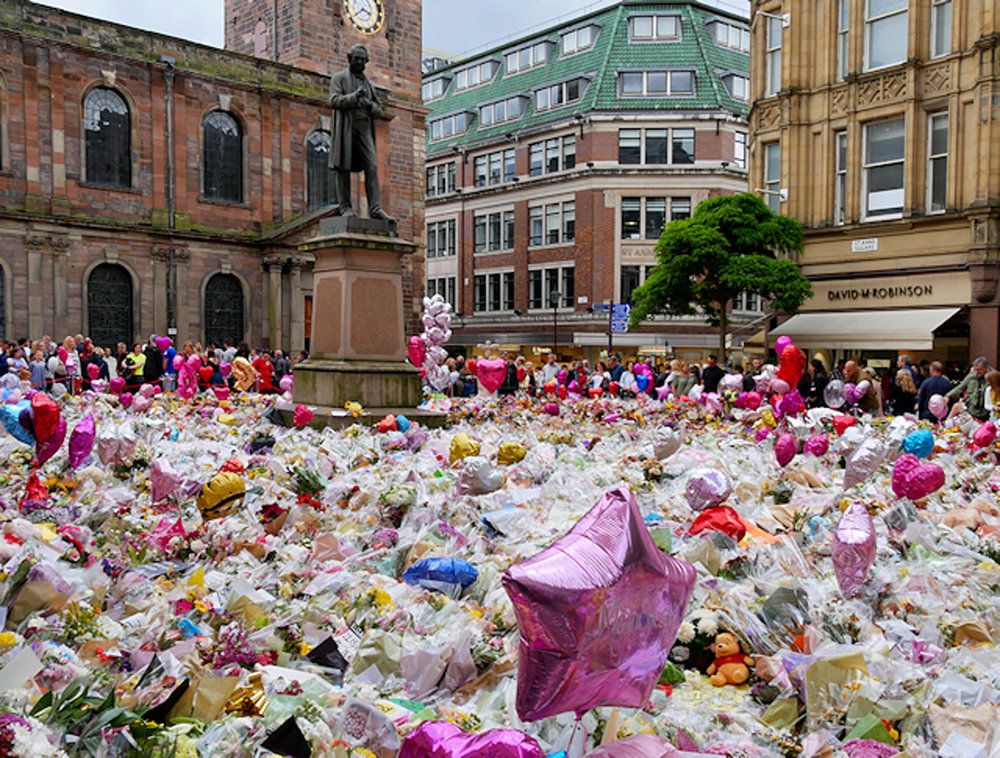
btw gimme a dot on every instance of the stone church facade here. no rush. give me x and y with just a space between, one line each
153 185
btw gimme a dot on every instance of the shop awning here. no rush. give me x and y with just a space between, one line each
865 330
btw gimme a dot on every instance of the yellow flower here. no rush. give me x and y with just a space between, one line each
200 606
382 599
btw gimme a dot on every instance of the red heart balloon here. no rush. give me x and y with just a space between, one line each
791 365
471 364
613 388
562 391
46 414
302 415
521 373
205 372
222 393
595 392
549 387
842 423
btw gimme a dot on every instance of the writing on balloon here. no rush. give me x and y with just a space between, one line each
620 627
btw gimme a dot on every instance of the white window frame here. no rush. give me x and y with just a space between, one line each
843 38
740 34
485 73
444 286
553 215
740 150
940 8
504 274
592 31
772 182
840 177
449 227
434 176
869 20
772 57
866 214
933 157
443 81
669 73
453 118
538 53
730 80
655 35
563 90
491 109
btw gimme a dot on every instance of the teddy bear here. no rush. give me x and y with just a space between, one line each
731 665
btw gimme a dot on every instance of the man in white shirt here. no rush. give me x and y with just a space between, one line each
551 369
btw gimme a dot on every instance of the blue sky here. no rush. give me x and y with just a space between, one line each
481 23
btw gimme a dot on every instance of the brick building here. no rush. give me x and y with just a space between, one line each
554 161
150 183
880 123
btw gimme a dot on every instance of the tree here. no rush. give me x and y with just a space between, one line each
730 245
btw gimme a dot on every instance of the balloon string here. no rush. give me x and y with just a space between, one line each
572 737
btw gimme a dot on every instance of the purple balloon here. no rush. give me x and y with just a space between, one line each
784 449
552 409
637 746
913 479
45 450
790 403
442 739
853 549
781 343
598 611
818 445
81 441
26 420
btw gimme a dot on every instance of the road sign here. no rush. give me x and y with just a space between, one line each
619 317
602 307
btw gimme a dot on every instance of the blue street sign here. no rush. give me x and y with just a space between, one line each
620 310
602 307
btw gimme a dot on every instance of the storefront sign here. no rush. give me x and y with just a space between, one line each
950 288
881 293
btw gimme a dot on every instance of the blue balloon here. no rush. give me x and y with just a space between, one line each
920 443
447 575
402 423
10 416
642 381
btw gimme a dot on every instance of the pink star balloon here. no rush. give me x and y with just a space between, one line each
598 611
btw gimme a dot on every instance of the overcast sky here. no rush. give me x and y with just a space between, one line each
453 26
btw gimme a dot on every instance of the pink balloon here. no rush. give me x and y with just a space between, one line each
853 549
707 488
81 441
662 392
985 435
784 449
46 414
193 362
417 350
93 370
45 450
141 403
713 402
225 368
61 352
221 393
302 415
286 383
117 384
781 343
163 343
442 739
178 361
491 373
598 611
790 403
818 445
753 400
99 385
938 405
125 399
552 409
914 480
157 390
637 746
164 478
780 386
905 464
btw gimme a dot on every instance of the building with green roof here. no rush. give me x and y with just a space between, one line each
555 160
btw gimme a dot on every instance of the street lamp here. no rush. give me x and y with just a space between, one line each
554 303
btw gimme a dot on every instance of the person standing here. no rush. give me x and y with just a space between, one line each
935 384
712 374
135 366
510 382
281 366
154 361
551 369
973 386
871 400
265 372
903 394
615 367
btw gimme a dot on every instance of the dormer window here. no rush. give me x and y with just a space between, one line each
449 126
656 83
738 86
435 88
580 39
730 35
654 28
473 76
555 95
503 110
529 56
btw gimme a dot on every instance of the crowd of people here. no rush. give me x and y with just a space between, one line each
72 365
908 390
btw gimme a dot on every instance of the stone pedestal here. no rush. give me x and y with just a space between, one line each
358 342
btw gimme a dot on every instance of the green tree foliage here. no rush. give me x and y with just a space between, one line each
730 244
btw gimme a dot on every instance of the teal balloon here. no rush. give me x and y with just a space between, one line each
920 443
10 417
402 423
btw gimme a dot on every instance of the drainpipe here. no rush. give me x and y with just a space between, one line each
274 35
168 76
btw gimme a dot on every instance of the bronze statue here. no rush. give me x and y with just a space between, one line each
355 108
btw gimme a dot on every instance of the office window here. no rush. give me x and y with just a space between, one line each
500 111
940 27
740 149
560 94
494 296
568 287
655 28
551 285
569 152
656 83
509 165
536 157
629 146
108 138
475 75
535 225
569 221
552 224
937 161
494 291
493 168
680 207
222 158
535 299
443 286
631 218
682 150
772 175
772 57
840 185
882 176
508 230
479 292
441 179
656 217
628 282
578 40
441 238
479 234
479 164
885 32
495 231
843 40
551 155
527 57
449 126
319 189
656 146
496 168
508 291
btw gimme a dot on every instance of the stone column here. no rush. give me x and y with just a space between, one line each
274 306
298 325
34 245
185 331
161 288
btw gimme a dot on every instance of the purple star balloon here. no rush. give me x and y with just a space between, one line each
598 611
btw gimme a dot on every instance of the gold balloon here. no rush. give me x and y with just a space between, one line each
510 453
462 446
243 374
221 495
768 417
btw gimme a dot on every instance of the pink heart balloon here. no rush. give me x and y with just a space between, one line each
125 399
985 435
93 370
117 384
163 343
164 478
225 369
491 373
45 450
302 415
178 362
442 739
818 445
81 441
221 393
784 449
753 400
417 350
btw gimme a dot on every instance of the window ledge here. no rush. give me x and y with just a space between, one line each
111 188
552 245
886 217
489 253
226 203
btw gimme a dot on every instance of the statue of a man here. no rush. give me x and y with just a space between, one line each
355 108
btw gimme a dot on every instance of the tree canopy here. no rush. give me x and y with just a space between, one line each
730 245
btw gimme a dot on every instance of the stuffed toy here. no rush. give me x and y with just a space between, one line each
730 666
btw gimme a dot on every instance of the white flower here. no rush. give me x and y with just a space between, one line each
708 626
686 633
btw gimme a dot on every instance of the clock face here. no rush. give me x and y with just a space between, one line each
366 16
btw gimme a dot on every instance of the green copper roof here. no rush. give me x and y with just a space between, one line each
611 52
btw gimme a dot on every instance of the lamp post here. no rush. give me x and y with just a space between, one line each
554 302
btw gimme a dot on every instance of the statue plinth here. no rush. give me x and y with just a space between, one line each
358 345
